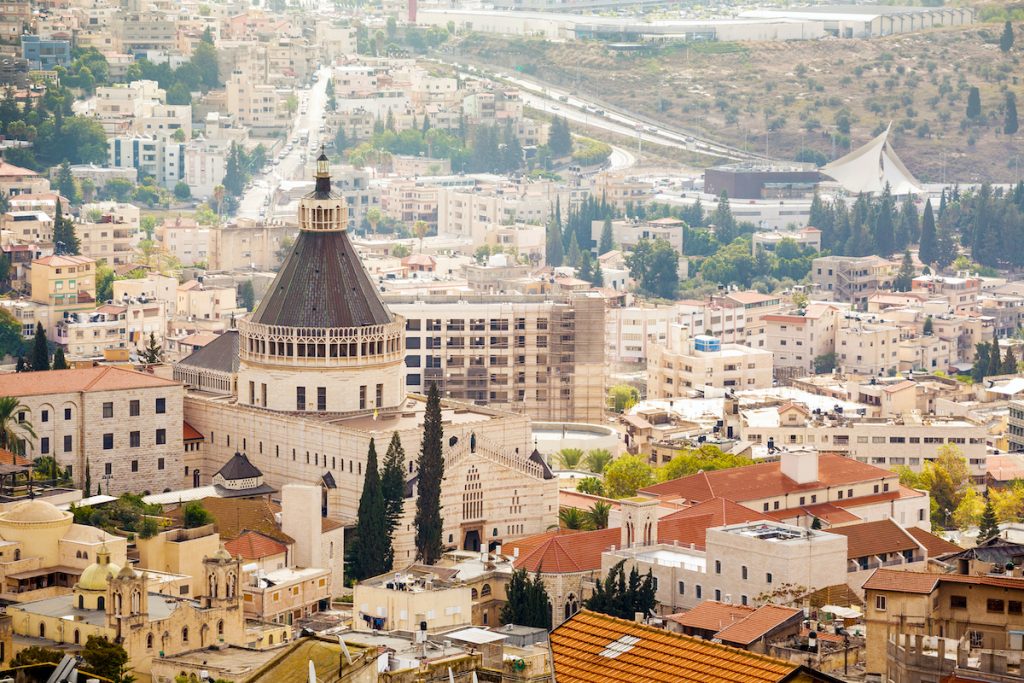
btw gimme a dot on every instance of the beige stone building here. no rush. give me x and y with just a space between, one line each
867 348
797 339
27 227
283 596
185 240
400 601
15 180
960 292
245 244
539 354
852 279
684 363
199 307
113 235
127 425
111 326
64 283
318 370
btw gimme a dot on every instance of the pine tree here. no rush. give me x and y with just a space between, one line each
66 182
909 224
369 549
64 239
389 123
618 597
573 256
1010 119
928 250
1009 365
598 280
153 353
428 521
995 364
585 270
726 229
553 244
973 103
59 363
905 277
392 482
980 367
946 246
528 603
884 233
607 242
989 527
40 351
1006 39
929 326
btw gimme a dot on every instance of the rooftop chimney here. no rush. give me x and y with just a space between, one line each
800 465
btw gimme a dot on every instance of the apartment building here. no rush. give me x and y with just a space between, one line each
798 338
45 54
867 348
161 158
620 190
28 227
961 292
15 180
630 330
805 238
1005 310
472 213
410 201
207 308
257 104
928 353
126 424
146 32
124 325
283 596
109 232
205 165
492 108
626 234
153 287
736 317
540 355
185 240
908 440
684 363
65 283
852 279
401 600
244 244
926 626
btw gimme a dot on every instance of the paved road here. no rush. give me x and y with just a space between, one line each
256 202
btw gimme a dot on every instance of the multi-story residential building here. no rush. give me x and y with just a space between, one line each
206 163
629 331
736 317
411 200
906 440
283 596
491 108
127 100
245 244
472 213
933 626
852 279
153 287
1015 426
867 348
127 425
111 326
684 363
257 104
961 291
399 601
65 283
626 234
540 355
208 308
1005 310
161 158
805 238
619 190
113 235
45 54
797 339
148 32
27 227
185 240
928 353
15 181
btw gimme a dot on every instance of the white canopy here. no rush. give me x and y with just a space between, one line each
869 168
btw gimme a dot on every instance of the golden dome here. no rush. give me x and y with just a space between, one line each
96 575
35 511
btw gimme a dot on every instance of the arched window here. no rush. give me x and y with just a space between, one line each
473 594
136 602
271 641
486 590
78 637
149 641
101 602
118 604
81 602
184 635
572 605
230 586
42 630
220 627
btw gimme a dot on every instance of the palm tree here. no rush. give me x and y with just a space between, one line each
569 458
373 217
14 432
419 228
573 518
598 459
597 515
218 199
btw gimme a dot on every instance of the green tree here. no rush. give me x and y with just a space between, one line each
573 255
929 326
428 521
392 481
947 246
826 362
968 513
591 485
904 280
1010 118
66 183
59 363
569 458
655 266
370 547
573 518
624 477
726 228
14 432
40 350
64 239
181 190
928 250
204 59
1009 363
705 458
981 361
559 137
620 597
11 342
1006 39
607 242
105 658
528 603
247 295
195 515
152 354
973 103
598 514
88 478
35 654
988 527
598 459
234 173
553 243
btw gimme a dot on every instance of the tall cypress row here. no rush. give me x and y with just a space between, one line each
431 471
40 351
392 484
370 547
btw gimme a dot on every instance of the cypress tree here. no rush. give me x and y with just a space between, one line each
989 527
910 224
88 478
928 251
995 363
973 103
40 351
1009 362
528 603
58 359
905 277
884 233
574 256
64 240
598 280
980 367
553 239
929 326
428 522
370 547
392 481
1006 39
607 243
1010 120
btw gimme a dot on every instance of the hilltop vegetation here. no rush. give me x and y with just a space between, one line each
813 99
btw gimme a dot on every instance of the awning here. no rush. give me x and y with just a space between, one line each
21 576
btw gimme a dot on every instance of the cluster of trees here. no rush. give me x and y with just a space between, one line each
559 138
200 73
630 473
241 166
585 520
879 225
738 263
39 355
528 603
570 242
987 511
128 513
654 265
394 42
380 507
623 597
11 342
622 397
987 361
55 133
100 657
947 479
990 222
595 460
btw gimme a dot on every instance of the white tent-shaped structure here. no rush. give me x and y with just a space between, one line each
870 167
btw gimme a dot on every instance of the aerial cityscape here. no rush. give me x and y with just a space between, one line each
511 341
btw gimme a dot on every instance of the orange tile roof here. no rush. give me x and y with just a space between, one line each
933 544
235 516
765 480
9 458
12 171
562 552
712 615
252 545
901 581
875 538
827 512
96 378
690 526
190 433
64 260
595 648
764 619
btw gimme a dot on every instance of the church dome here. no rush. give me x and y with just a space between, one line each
222 555
96 575
35 511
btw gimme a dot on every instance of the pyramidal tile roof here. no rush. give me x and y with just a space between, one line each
97 378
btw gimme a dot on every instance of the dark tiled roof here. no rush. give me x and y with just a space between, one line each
322 283
239 467
539 459
220 354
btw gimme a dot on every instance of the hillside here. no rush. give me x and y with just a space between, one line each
817 95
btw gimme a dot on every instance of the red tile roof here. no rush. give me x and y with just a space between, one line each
712 615
875 538
595 648
827 512
765 480
190 433
690 526
96 378
252 545
9 458
933 544
760 623
563 552
11 171
901 581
